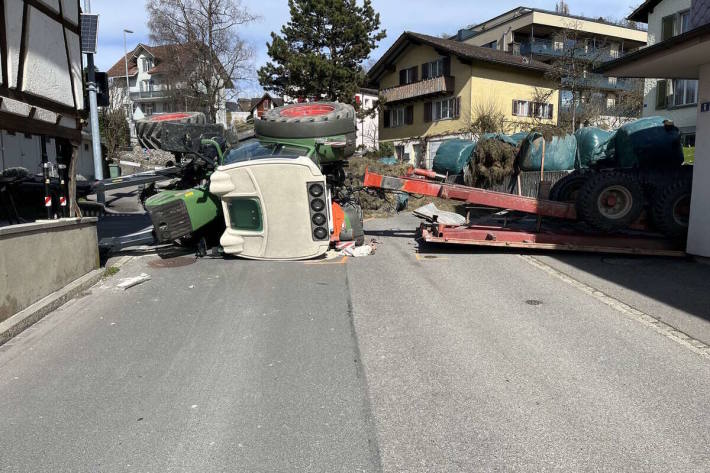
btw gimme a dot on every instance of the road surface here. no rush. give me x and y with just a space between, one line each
400 361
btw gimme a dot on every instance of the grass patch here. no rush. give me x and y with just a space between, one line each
110 271
689 154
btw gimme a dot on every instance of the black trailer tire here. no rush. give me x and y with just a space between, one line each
610 201
307 120
670 208
149 130
567 188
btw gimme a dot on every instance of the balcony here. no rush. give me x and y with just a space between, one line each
598 81
439 85
149 94
550 48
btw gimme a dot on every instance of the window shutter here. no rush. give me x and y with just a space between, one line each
425 71
457 107
415 71
550 111
427 112
402 77
409 115
661 93
447 66
514 114
386 118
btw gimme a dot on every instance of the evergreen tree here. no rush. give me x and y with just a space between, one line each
321 49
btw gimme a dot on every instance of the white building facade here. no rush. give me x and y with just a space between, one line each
675 99
368 125
149 86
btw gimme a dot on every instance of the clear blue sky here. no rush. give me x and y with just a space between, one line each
422 16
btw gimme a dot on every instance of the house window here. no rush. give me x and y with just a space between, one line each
521 108
398 116
407 76
525 108
433 69
684 21
491 45
685 92
148 109
445 109
146 64
661 94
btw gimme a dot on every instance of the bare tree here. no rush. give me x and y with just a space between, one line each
113 121
571 70
207 56
486 117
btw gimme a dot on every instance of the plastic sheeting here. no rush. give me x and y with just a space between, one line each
594 144
647 142
560 153
453 155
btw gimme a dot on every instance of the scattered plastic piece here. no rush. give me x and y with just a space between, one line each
358 251
134 281
429 211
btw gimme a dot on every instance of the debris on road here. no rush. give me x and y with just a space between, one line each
127 283
429 211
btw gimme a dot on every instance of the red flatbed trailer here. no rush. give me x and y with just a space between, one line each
520 234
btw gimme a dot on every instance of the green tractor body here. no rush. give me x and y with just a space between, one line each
179 213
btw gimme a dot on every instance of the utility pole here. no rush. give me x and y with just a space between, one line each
94 114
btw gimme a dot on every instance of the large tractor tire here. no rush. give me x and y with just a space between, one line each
567 188
307 120
670 208
149 130
610 200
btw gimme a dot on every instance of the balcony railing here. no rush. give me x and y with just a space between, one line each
546 47
598 81
149 94
423 88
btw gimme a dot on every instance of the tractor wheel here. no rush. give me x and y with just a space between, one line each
567 188
307 120
610 200
670 208
149 130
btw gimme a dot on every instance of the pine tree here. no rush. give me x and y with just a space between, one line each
320 51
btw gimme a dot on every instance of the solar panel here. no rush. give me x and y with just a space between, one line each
89 32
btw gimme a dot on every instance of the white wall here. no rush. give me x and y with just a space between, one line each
699 230
682 117
368 127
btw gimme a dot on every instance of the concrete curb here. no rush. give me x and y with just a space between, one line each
27 317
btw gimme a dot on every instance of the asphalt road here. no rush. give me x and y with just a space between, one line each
400 361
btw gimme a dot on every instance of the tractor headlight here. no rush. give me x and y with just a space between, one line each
317 205
316 190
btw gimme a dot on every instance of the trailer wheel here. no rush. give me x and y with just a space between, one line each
670 210
149 130
307 120
567 188
610 200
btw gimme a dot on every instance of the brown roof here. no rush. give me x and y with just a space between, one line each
461 50
642 11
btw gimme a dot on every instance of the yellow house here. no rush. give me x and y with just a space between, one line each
434 89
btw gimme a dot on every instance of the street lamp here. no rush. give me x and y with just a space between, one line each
128 87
